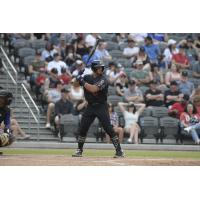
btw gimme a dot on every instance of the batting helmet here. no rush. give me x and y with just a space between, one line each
7 95
96 64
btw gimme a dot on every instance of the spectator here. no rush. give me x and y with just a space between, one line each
140 76
70 55
156 74
196 68
190 118
190 51
152 50
62 107
172 75
172 95
196 102
142 56
197 43
185 86
153 96
139 37
34 68
158 37
76 91
90 39
53 96
65 78
86 56
180 59
58 64
48 52
101 52
116 70
17 131
51 81
131 119
121 85
177 108
132 50
80 46
61 47
114 120
169 51
133 93
80 67
120 38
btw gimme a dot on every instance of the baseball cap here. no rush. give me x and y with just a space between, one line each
184 73
79 62
186 97
173 83
171 41
55 55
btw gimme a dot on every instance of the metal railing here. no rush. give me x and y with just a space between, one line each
8 74
36 116
9 69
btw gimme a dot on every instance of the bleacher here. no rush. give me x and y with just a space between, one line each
155 123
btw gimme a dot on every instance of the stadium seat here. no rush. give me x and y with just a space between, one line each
146 113
122 46
111 90
68 125
112 46
149 128
23 52
169 127
114 99
159 112
28 60
116 54
38 44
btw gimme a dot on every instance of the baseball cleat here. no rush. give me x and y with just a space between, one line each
78 153
119 154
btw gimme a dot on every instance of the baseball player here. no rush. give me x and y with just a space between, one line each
6 136
95 91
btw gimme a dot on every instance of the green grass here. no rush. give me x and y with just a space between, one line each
102 153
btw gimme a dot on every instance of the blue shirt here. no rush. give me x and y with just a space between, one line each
152 51
186 87
157 36
94 57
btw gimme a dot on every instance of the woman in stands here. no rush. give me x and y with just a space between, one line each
114 119
172 75
189 118
131 116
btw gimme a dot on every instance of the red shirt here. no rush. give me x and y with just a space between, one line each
180 58
179 107
40 80
65 79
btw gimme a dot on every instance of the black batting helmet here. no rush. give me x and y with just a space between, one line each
7 95
96 64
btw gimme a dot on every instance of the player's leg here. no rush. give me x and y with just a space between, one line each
87 119
104 118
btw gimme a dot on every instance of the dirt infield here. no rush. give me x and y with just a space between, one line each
61 160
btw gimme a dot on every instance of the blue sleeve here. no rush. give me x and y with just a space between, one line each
7 120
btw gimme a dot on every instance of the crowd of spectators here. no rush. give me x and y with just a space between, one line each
152 70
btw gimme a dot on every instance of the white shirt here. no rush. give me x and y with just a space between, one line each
58 65
46 54
168 55
139 37
131 51
90 40
77 95
130 118
54 94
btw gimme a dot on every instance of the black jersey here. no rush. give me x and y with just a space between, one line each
100 96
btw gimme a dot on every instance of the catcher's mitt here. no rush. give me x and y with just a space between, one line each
6 139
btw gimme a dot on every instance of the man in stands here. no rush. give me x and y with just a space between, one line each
172 95
153 96
133 93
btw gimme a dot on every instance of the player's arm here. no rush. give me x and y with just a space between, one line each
91 88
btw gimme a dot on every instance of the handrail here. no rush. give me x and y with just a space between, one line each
13 80
13 68
37 119
36 107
